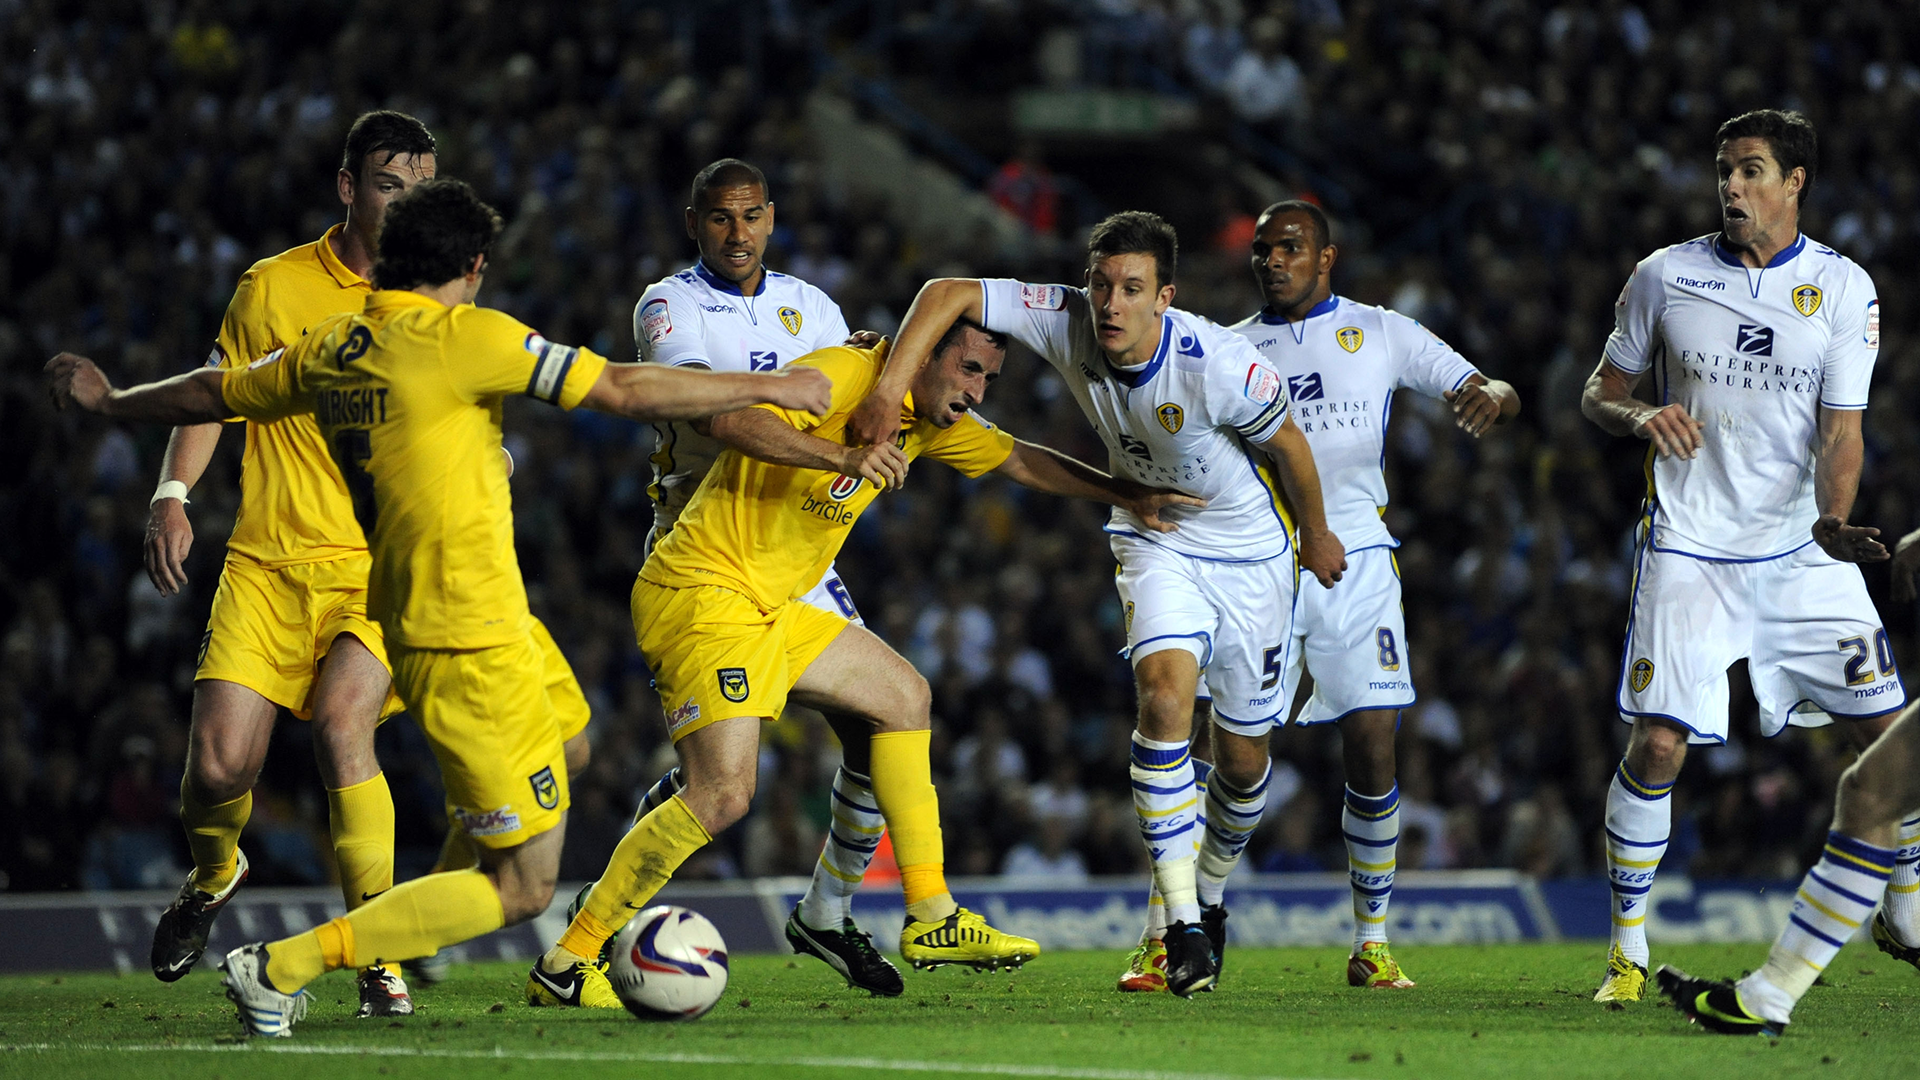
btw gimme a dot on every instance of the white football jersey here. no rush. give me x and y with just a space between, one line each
1342 364
1753 355
1185 421
697 319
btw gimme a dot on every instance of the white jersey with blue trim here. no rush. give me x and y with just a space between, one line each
1185 420
698 319
1342 364
1753 354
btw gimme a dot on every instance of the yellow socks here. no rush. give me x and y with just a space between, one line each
213 835
413 919
361 818
646 858
903 786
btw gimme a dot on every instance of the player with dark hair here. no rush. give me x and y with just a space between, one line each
1761 344
407 394
1186 404
288 627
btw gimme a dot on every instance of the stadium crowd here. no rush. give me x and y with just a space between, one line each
1494 170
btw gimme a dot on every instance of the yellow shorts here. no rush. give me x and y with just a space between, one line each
570 709
715 655
486 714
269 629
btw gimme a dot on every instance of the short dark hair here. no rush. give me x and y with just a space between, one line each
1137 232
432 234
725 173
1790 138
959 328
384 130
1322 233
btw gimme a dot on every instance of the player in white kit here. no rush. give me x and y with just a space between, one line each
728 312
1761 344
1181 403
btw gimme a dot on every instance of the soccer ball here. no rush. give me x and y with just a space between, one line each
668 964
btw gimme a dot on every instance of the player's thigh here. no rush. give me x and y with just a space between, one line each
714 655
258 635
830 594
486 715
860 675
1354 639
570 708
1253 641
1689 621
525 874
1162 601
1818 644
353 680
227 741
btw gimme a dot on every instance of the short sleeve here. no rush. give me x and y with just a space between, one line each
670 329
833 325
1243 391
266 390
245 335
1038 316
1847 369
971 445
498 355
1636 316
1422 361
853 372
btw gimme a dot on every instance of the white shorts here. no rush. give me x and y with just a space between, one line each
1236 619
1352 639
1813 643
830 594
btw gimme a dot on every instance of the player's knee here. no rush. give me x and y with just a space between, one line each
522 897
1860 805
1657 750
217 777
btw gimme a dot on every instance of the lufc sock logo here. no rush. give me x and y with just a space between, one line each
733 684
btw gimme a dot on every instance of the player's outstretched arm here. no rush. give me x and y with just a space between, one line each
1482 403
762 434
1836 480
192 398
940 302
1320 550
1609 402
1043 469
657 392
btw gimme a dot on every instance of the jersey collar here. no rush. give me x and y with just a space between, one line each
1133 380
1320 308
725 286
1784 256
340 271
399 298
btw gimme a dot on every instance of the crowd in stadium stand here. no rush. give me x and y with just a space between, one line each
1494 170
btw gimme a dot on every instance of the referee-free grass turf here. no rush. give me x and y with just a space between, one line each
1479 1012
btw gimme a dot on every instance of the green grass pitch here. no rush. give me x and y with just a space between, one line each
1479 1012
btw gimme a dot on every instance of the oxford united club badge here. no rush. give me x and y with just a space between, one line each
546 790
733 684
1171 417
790 318
1806 299
1349 338
1642 674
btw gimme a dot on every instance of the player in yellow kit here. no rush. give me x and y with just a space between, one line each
288 626
718 616
408 396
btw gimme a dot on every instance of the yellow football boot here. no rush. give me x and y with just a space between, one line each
1373 967
584 985
963 938
1625 980
1146 969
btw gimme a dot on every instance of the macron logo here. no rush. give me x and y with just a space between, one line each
1695 283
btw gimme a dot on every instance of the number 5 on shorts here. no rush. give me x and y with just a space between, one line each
1272 661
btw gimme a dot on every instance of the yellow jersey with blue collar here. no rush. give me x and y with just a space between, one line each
770 531
293 506
407 395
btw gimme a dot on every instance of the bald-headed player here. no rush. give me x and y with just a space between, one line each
728 312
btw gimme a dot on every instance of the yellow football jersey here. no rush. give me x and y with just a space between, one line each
408 396
771 531
293 506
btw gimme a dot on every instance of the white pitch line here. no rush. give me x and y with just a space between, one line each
501 1053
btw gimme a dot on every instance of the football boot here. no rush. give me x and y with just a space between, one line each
963 938
1714 1004
849 951
180 938
1373 967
